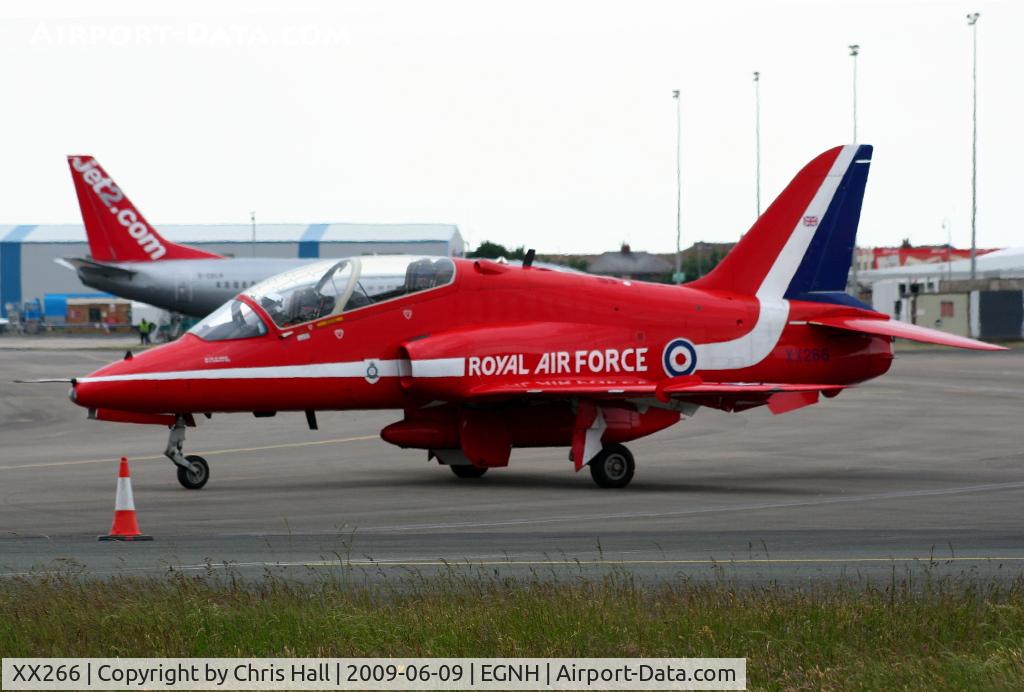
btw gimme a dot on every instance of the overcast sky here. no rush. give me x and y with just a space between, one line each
548 124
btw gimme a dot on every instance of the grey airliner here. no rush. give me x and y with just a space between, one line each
193 287
130 259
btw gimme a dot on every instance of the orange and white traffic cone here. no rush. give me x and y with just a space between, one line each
125 526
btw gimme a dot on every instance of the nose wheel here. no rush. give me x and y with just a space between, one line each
193 470
613 466
195 476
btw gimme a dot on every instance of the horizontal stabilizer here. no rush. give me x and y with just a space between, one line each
87 266
902 330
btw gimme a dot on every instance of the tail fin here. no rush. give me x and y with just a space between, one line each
802 245
116 230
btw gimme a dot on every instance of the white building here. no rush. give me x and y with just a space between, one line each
941 295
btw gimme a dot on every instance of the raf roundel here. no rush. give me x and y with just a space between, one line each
679 358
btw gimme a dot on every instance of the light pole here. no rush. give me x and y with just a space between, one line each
947 226
677 276
252 218
757 136
854 52
972 21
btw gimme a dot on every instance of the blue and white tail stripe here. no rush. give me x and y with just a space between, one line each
822 274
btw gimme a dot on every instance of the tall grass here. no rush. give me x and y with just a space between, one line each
936 634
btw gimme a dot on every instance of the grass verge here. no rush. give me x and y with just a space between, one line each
909 633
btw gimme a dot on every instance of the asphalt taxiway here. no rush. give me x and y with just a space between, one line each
922 469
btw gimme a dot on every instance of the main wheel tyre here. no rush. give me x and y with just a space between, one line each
196 477
613 467
468 470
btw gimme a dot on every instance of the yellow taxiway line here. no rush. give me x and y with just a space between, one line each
236 450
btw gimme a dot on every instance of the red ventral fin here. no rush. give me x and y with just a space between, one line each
784 402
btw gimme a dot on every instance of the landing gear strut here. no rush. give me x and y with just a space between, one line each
193 471
613 466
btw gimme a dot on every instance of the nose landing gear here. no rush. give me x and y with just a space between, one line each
193 470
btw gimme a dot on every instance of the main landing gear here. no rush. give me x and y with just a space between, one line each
613 466
468 471
193 471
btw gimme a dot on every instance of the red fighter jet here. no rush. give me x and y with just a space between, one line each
483 357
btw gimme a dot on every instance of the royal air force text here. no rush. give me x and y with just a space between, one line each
598 361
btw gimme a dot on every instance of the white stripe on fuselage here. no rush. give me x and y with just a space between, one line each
438 367
773 310
752 347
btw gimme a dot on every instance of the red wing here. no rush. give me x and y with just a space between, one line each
700 387
902 330
739 396
590 388
728 396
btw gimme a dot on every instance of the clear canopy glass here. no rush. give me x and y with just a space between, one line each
232 320
332 287
322 289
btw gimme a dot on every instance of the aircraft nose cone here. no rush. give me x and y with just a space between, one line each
112 386
89 394
139 383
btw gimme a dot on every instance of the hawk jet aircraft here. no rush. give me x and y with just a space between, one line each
482 358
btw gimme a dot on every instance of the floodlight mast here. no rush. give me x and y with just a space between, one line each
677 276
972 21
757 137
854 52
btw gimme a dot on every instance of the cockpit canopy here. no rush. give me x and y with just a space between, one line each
332 287
322 289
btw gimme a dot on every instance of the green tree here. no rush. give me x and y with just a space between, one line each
489 250
696 265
